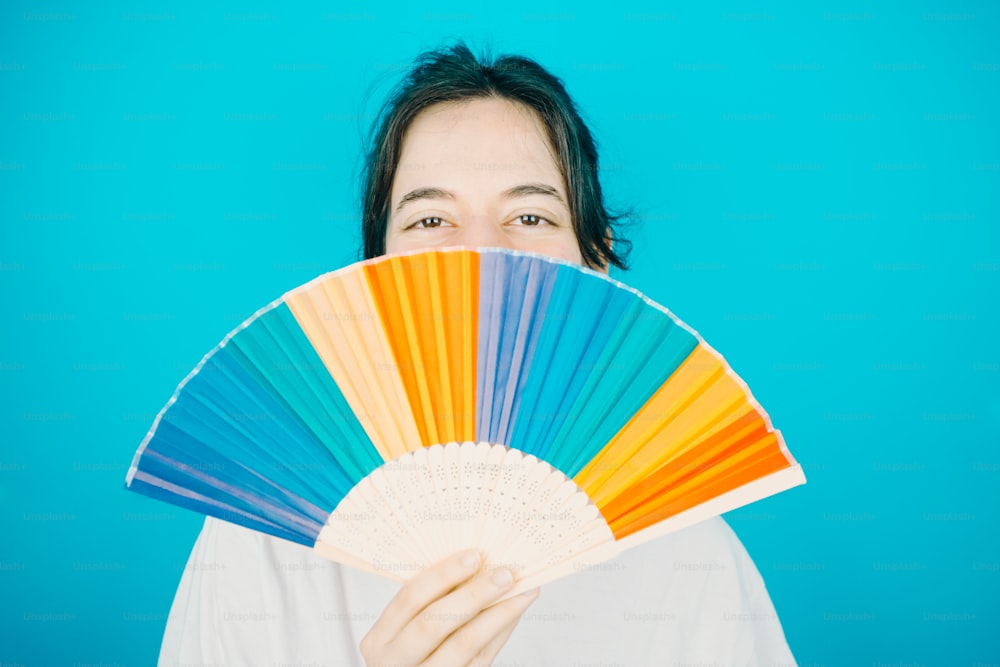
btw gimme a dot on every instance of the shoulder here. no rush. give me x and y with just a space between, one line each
708 553
704 562
244 594
716 592
694 596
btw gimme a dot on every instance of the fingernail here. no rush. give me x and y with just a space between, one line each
532 593
502 578
470 560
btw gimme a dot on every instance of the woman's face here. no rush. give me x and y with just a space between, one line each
479 173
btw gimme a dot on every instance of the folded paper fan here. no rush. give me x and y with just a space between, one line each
403 408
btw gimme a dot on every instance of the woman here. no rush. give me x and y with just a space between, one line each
477 154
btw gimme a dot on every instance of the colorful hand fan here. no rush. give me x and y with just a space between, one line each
403 408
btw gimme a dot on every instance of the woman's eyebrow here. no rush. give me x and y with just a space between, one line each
423 193
522 190
526 189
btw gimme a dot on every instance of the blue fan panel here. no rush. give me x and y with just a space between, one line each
222 488
645 350
280 356
514 294
266 400
602 352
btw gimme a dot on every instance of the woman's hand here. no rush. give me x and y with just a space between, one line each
440 617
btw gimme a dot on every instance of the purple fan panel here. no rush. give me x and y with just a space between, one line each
514 293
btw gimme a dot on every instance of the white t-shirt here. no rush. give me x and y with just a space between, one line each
691 598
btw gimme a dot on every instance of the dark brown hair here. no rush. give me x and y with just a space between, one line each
453 74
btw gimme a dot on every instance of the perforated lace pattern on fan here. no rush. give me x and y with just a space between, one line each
442 499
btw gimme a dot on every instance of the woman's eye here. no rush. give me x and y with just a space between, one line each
531 220
428 223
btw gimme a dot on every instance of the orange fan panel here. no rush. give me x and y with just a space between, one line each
688 496
464 375
391 309
428 305
708 459
697 399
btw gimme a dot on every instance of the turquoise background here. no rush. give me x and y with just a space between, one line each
817 190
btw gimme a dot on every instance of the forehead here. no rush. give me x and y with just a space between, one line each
488 139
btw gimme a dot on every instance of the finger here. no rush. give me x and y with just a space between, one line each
484 635
432 626
429 585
